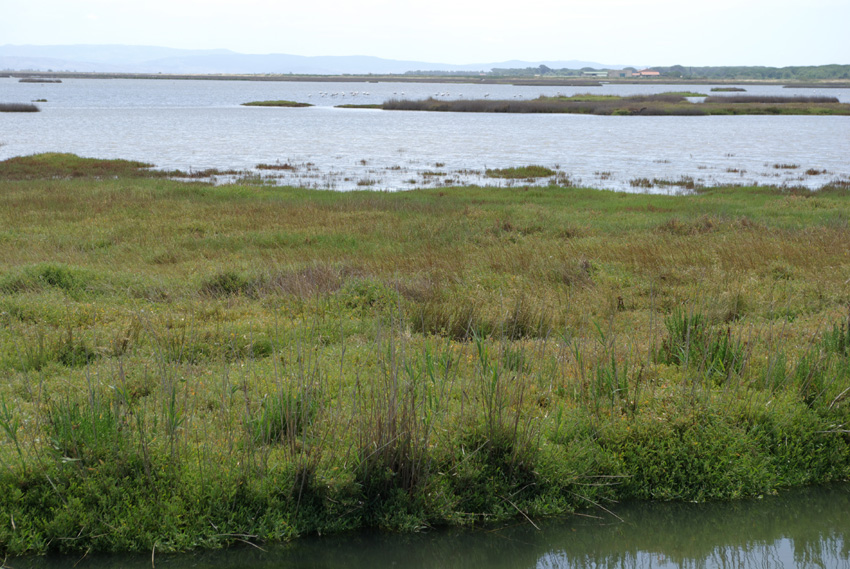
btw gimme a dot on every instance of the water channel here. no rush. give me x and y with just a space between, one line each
804 528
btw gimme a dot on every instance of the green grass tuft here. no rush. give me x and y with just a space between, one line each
520 172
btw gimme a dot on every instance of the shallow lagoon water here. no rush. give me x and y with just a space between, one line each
805 528
195 125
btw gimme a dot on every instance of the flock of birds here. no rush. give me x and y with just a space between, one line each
340 93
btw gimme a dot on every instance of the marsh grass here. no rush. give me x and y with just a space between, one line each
227 363
837 339
282 416
690 342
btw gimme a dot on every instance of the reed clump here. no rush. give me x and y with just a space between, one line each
188 366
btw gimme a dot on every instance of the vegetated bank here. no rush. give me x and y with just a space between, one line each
665 104
187 366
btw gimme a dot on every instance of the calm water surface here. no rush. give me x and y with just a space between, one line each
195 125
807 528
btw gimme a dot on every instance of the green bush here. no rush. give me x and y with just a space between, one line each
692 457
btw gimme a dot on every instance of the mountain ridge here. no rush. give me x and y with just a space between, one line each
153 59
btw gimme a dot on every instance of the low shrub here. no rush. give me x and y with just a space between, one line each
694 456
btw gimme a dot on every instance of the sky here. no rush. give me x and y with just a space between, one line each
614 32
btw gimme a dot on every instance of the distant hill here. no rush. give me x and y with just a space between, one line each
146 59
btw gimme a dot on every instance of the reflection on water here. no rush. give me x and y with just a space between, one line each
195 125
808 528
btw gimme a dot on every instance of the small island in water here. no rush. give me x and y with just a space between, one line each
665 104
276 104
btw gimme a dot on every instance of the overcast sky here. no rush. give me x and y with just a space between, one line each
628 32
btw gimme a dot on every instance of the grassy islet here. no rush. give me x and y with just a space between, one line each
293 104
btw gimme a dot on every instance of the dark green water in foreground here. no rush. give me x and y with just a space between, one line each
799 528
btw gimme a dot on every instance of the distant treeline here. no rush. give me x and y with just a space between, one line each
807 73
814 72
444 73
506 72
